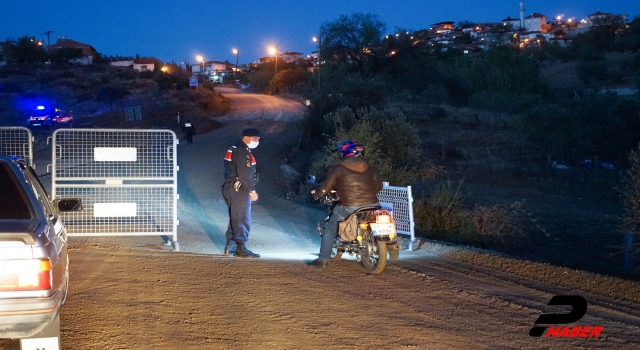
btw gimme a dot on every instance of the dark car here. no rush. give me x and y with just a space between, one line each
50 117
34 274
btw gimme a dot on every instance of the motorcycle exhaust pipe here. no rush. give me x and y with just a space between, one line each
394 247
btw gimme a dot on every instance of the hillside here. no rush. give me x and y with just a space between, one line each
97 95
565 75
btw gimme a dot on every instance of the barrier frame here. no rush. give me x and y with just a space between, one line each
126 178
14 144
400 201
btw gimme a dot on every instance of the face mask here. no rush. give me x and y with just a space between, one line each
253 144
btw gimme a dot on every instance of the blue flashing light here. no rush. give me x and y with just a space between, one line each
40 108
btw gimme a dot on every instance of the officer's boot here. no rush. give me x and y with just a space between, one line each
243 252
230 247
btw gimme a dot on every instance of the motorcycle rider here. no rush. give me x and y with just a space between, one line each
357 185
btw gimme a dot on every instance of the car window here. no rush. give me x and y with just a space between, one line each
39 190
13 200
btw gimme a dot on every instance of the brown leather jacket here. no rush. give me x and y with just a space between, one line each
356 182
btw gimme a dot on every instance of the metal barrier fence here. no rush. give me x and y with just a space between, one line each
400 201
127 180
16 141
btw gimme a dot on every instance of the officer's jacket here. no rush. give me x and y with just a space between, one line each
240 163
188 127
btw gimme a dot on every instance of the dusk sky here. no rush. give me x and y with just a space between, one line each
177 31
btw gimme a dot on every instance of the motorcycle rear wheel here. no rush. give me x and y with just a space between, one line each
374 255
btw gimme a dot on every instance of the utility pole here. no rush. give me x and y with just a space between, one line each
48 34
235 74
276 60
318 40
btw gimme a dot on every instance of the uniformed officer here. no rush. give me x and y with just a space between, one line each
189 130
240 178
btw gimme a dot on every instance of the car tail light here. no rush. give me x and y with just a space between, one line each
25 275
383 219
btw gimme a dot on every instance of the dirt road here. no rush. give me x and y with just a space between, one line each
133 293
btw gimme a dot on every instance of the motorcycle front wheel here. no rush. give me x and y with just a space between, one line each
374 255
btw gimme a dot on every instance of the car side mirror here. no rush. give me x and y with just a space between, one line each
68 204
311 179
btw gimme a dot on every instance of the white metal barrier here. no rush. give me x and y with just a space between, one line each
127 180
16 141
400 201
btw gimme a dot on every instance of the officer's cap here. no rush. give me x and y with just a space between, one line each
251 132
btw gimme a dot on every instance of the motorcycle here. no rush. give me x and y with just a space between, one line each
369 234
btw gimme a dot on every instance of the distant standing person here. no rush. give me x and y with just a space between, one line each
189 130
240 178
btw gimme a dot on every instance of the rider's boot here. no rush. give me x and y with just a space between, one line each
230 247
243 252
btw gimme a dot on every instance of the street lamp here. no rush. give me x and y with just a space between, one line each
318 41
200 58
237 52
274 50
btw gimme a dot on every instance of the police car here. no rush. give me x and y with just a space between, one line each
50 117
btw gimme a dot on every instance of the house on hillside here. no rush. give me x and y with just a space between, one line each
602 17
138 64
515 22
89 54
536 22
211 66
289 57
442 27
266 59
144 64
121 63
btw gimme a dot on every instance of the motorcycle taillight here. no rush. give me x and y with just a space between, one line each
383 219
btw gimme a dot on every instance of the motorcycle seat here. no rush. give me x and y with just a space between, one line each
371 207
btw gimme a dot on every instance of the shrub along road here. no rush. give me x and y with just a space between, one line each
132 293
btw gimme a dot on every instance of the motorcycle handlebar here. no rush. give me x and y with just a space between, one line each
328 197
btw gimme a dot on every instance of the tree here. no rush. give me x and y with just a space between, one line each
66 54
464 39
629 38
24 50
289 78
357 38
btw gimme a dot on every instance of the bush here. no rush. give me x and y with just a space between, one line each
592 72
392 144
441 213
434 94
260 79
350 92
494 225
630 195
440 209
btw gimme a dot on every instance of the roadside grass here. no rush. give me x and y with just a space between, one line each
495 190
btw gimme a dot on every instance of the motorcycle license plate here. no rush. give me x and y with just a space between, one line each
383 229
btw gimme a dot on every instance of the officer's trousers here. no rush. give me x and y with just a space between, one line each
239 204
